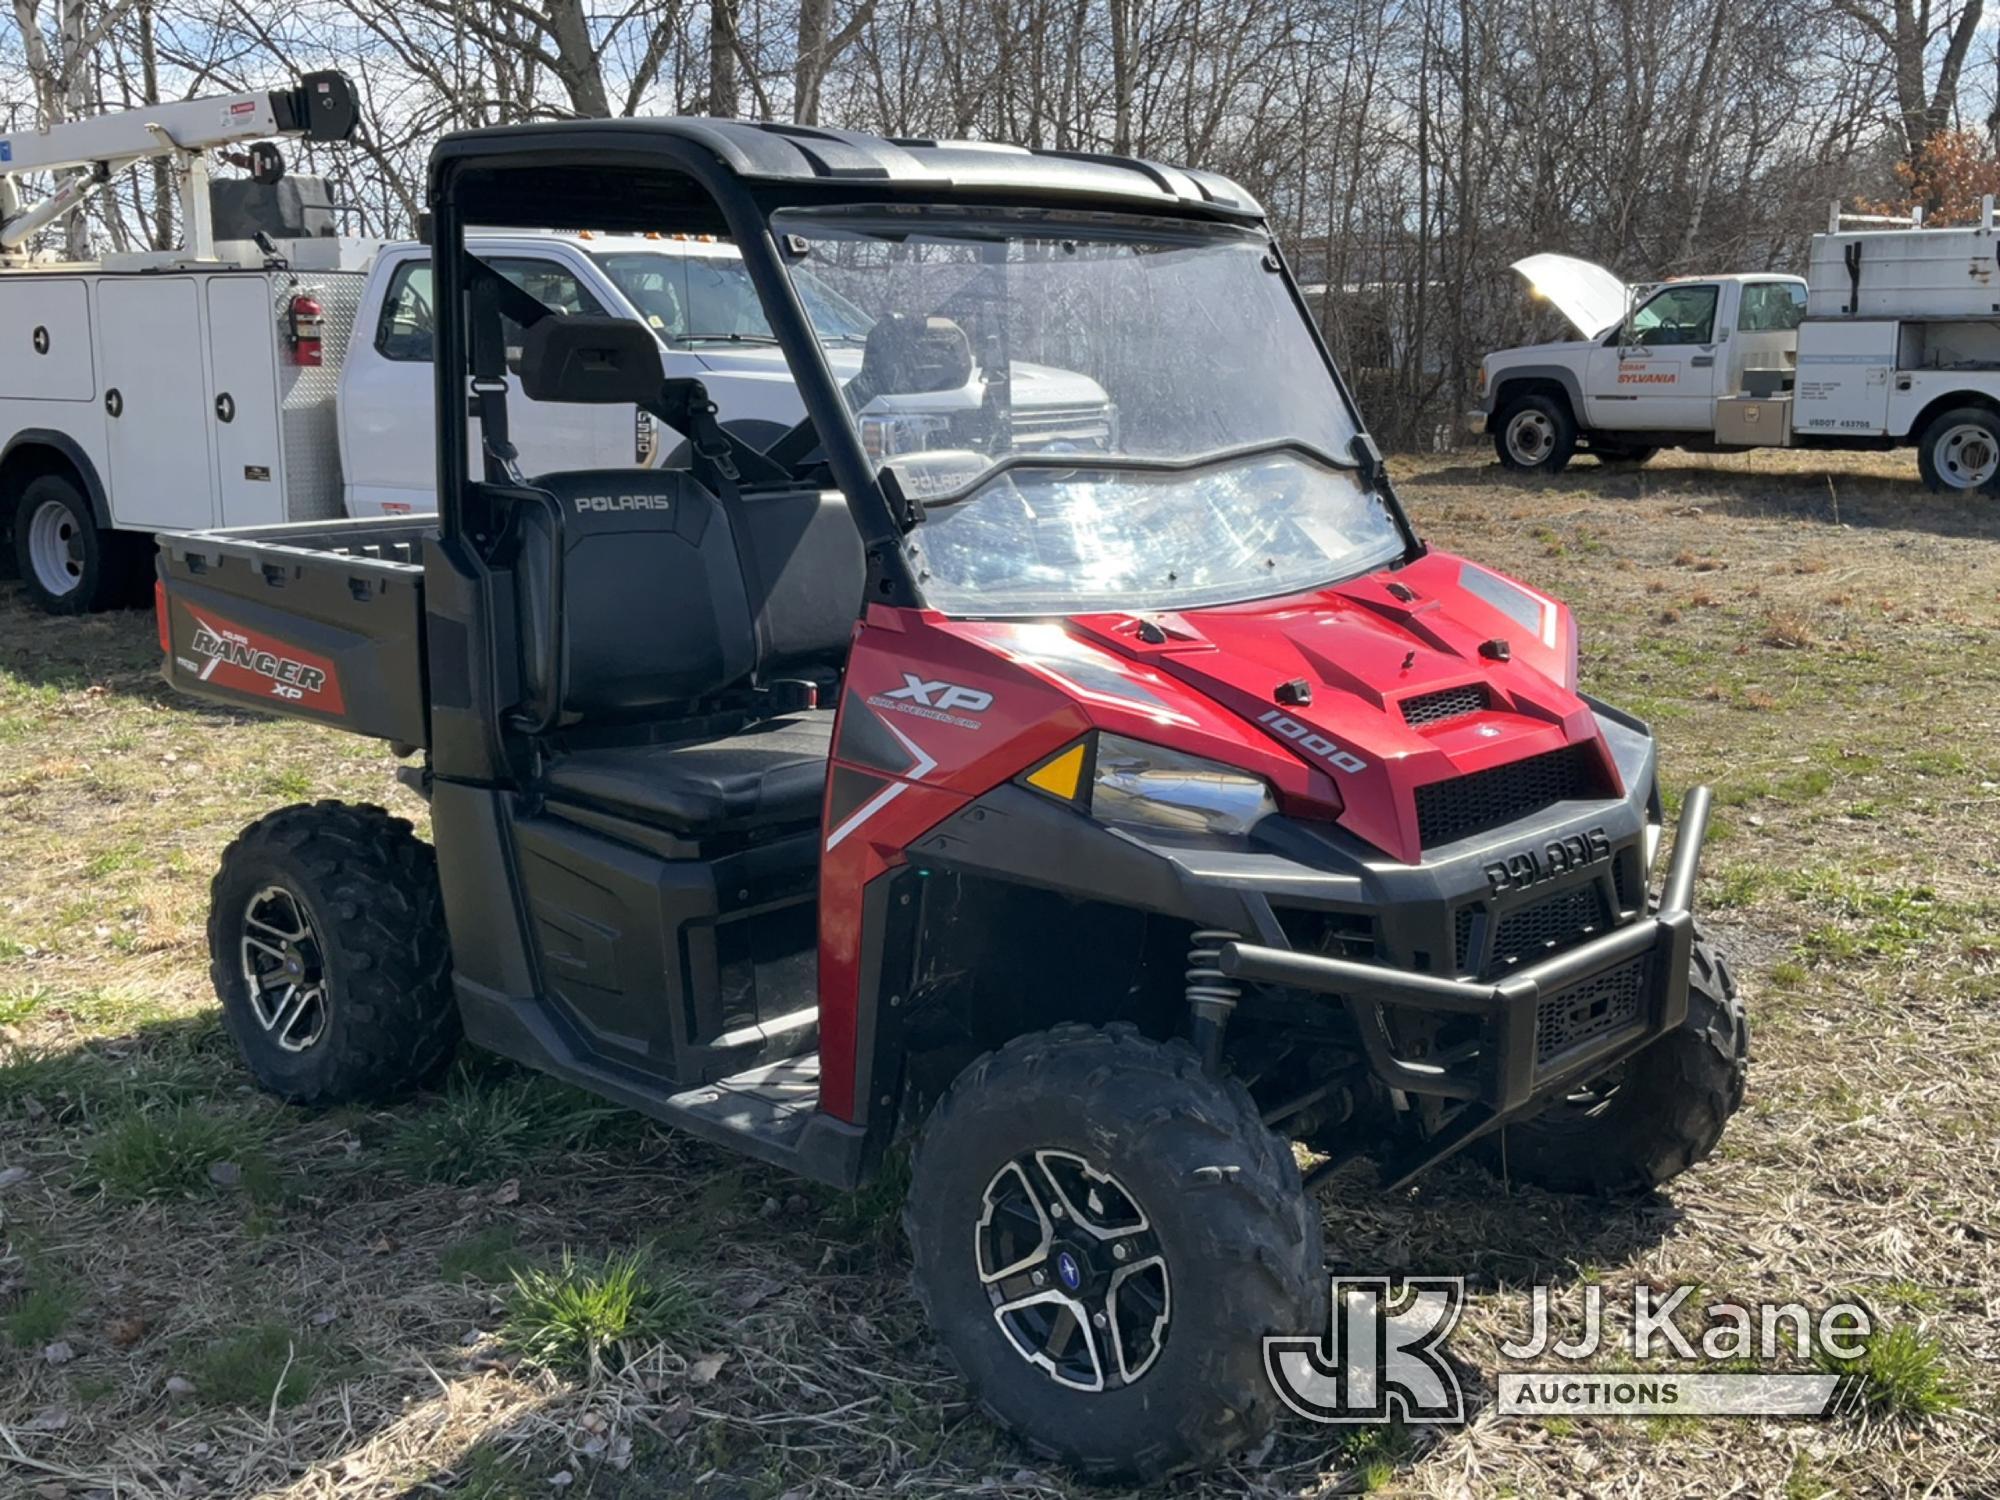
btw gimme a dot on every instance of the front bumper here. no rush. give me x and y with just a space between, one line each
1542 1028
1477 420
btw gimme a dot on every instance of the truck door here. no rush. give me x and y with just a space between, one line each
386 395
243 415
149 333
1659 371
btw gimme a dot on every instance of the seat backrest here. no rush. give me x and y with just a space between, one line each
644 595
635 599
805 572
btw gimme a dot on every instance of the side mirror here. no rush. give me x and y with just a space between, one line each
907 355
591 360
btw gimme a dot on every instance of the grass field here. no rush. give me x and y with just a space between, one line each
507 1289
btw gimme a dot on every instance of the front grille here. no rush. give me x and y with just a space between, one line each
1592 1009
1560 922
1465 805
1448 703
1463 945
1041 426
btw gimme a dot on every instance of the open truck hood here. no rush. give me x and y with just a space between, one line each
1588 295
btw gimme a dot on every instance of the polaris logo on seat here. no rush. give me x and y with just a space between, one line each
586 503
1314 744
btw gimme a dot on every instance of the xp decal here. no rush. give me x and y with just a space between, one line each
934 700
231 656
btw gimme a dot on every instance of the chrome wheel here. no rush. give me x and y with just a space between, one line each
1531 437
1074 1271
1967 456
284 968
56 548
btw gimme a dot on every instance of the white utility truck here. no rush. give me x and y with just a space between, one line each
1891 340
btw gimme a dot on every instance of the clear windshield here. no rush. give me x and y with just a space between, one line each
709 299
1044 340
1036 541
1172 345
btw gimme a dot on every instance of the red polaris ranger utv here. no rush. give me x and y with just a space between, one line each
1107 791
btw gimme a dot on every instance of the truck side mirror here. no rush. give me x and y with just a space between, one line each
911 355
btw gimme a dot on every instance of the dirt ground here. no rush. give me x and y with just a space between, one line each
203 1293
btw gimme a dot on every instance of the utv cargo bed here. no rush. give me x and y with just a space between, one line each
320 619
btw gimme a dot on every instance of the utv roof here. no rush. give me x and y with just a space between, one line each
580 173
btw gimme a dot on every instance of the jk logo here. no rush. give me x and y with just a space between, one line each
941 695
1379 1358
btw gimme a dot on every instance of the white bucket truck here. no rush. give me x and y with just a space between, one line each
1891 340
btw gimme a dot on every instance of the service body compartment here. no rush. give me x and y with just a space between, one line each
320 620
1901 273
45 352
1842 384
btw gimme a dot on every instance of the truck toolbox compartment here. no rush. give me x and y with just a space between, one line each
1753 421
1932 273
321 619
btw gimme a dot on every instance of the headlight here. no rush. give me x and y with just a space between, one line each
1150 786
885 437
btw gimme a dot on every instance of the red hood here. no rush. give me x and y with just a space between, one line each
1364 650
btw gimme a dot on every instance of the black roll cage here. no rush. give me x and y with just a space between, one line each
636 176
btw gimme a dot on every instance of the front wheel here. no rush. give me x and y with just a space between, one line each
326 940
1103 1235
1535 435
1960 451
1652 1116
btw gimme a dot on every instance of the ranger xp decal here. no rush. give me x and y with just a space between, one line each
1316 745
234 657
934 700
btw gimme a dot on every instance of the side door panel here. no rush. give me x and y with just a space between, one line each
1663 367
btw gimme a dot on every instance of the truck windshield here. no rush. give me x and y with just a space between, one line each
708 298
1096 417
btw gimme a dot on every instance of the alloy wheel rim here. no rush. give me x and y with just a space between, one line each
1529 437
1075 1271
1968 456
285 968
55 547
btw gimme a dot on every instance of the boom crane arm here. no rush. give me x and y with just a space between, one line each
321 107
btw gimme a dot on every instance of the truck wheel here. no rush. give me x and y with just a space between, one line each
1535 435
67 565
1654 1115
1103 1234
326 943
1961 451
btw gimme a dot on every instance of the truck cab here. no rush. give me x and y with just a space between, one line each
695 296
1652 367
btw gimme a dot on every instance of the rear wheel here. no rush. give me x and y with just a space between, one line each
69 566
1535 435
327 947
1960 451
1103 1234
1651 1117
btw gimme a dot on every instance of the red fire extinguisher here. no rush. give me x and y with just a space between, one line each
305 321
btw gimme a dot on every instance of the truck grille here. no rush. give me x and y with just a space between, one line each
1592 1009
1448 703
1465 805
1087 427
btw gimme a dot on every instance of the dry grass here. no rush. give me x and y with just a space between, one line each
338 1314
